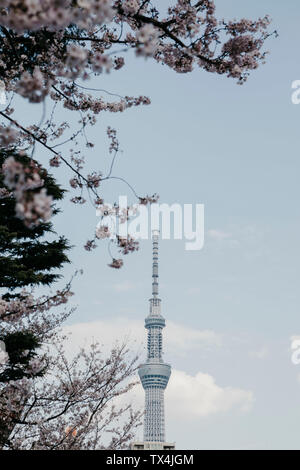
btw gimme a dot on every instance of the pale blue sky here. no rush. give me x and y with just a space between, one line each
236 150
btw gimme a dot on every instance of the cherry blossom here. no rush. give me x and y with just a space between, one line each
147 36
74 405
33 86
51 49
116 263
31 206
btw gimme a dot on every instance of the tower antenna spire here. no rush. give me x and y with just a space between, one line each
155 237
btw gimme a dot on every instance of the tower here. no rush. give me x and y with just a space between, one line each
154 373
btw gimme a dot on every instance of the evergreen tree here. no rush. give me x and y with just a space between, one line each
27 259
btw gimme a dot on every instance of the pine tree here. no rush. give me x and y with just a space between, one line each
27 259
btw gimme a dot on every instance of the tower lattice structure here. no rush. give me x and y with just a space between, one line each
154 373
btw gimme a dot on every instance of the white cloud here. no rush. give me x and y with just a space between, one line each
106 332
178 339
199 395
189 398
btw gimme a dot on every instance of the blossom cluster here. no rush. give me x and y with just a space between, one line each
26 304
75 405
8 136
147 38
22 15
31 205
50 49
33 86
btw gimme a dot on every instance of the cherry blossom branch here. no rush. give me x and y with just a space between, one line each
124 181
37 139
98 89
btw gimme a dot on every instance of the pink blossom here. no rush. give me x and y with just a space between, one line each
116 263
130 6
33 87
102 232
101 62
8 136
147 36
31 206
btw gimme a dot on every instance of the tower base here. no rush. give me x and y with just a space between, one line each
152 445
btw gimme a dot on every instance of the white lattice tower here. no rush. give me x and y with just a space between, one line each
154 373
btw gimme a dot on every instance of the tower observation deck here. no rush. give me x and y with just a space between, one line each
154 373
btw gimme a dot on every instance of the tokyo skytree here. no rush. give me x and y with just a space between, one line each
154 373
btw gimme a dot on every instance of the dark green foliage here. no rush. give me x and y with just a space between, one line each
20 347
26 258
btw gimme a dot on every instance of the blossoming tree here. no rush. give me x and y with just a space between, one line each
48 401
49 49
77 404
